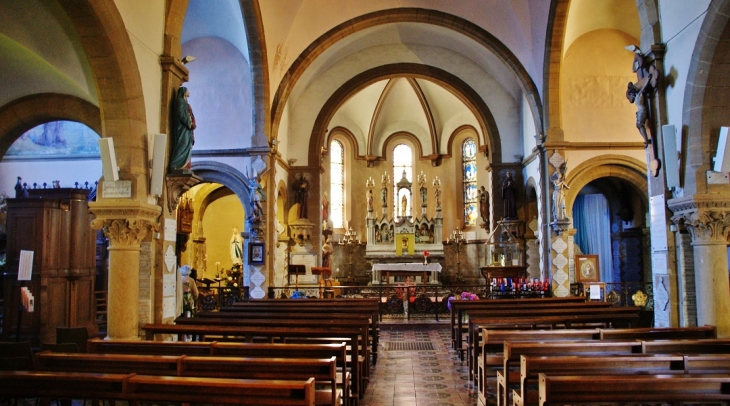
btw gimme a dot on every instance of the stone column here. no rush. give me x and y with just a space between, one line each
126 225
707 217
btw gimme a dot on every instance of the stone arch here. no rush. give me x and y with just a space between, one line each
393 139
556 27
556 30
390 16
698 105
457 131
27 112
628 169
345 133
119 84
253 25
226 175
532 201
446 79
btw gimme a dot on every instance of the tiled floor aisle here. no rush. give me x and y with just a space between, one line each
406 378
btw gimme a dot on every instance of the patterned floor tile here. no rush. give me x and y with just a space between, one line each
422 378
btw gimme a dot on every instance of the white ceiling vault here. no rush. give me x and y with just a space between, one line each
426 107
482 65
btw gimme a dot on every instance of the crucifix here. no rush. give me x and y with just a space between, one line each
639 93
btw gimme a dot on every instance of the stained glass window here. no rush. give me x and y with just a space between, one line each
337 184
471 195
402 162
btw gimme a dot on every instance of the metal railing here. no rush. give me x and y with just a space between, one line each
407 301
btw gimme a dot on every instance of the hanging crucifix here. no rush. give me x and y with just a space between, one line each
640 93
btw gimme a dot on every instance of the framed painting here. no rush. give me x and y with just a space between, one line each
256 253
586 268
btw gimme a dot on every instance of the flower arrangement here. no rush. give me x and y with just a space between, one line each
464 296
425 256
297 294
230 276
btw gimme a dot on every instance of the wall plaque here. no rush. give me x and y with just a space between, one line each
120 189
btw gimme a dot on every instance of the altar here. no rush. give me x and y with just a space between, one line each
428 272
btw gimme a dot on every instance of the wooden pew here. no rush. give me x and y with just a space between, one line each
492 353
322 370
100 346
605 317
558 309
363 304
246 333
717 346
707 364
132 387
460 307
360 322
560 390
325 307
493 340
532 366
514 350
659 333
302 313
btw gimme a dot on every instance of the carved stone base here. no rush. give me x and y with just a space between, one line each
178 182
560 226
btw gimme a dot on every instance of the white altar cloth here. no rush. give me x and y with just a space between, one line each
410 266
433 267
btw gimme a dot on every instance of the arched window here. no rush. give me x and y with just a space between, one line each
402 162
471 196
337 184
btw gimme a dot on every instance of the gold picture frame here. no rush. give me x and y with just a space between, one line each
587 268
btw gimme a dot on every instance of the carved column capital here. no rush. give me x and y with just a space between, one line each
125 223
706 216
179 182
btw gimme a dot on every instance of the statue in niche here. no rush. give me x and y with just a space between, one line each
404 206
256 193
484 205
236 247
509 196
182 125
301 194
558 179
327 250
